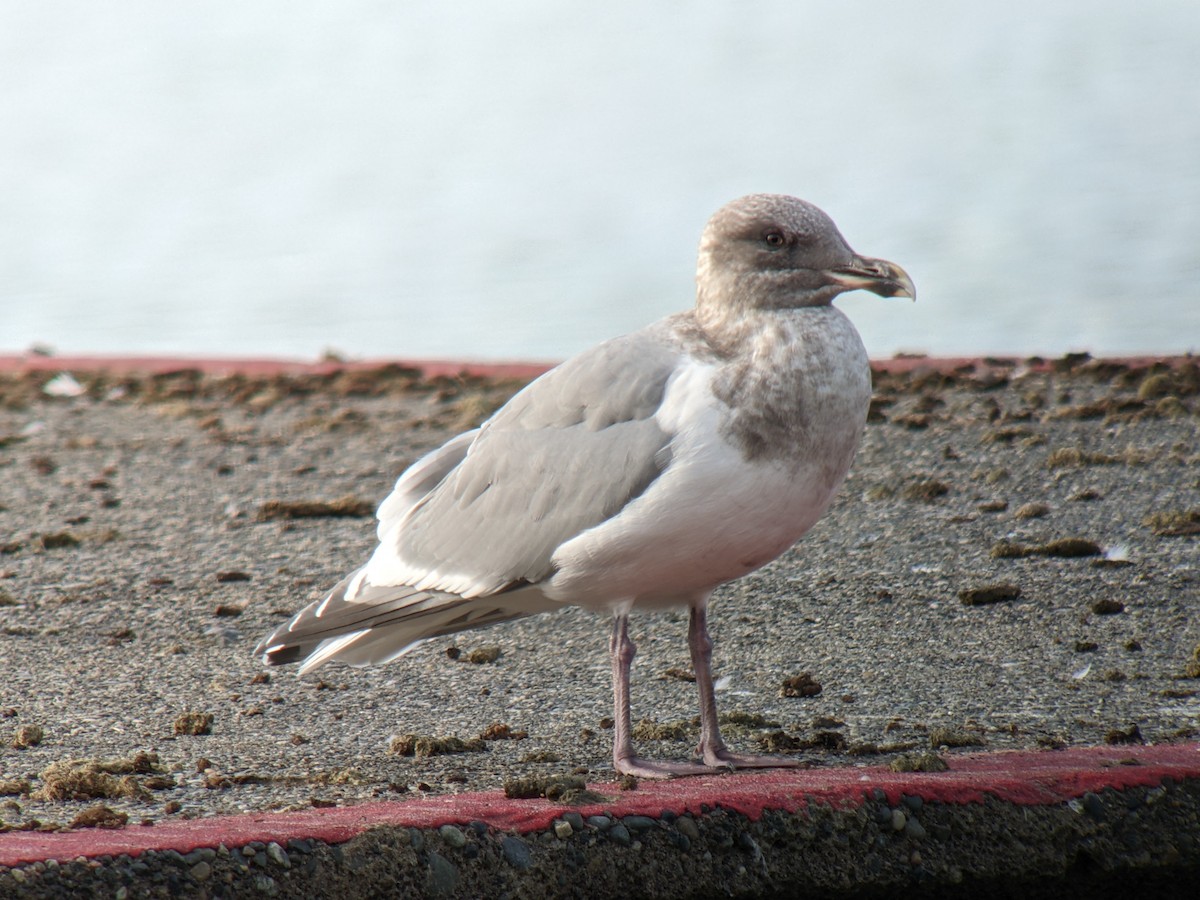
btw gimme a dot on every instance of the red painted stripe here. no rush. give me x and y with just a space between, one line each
1023 778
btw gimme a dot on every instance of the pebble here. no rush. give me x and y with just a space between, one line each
443 874
899 820
516 852
575 819
638 824
201 871
1093 805
563 829
277 854
620 835
600 823
686 826
913 829
453 836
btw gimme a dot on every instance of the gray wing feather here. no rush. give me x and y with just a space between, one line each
381 622
563 455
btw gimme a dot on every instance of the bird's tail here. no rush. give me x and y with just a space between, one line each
361 624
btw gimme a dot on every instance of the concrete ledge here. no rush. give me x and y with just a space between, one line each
1062 823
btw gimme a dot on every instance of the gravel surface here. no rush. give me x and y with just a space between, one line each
1012 563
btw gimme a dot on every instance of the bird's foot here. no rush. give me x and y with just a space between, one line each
721 757
658 768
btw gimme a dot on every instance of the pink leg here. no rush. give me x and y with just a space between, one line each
625 761
712 749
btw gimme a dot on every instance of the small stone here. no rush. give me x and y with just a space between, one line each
898 820
201 871
453 836
1093 805
600 823
278 855
516 852
913 829
574 819
620 835
686 826
443 875
638 824
1108 607
563 829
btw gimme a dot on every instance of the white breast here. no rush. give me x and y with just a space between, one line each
715 515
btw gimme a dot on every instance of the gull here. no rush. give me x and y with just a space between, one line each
641 474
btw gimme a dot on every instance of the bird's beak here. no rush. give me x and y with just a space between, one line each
875 275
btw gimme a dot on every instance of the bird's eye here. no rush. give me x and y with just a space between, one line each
774 240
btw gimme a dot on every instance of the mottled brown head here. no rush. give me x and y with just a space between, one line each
771 251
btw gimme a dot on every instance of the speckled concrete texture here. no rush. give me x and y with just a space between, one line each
1011 565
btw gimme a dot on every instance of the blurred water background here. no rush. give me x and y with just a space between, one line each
520 180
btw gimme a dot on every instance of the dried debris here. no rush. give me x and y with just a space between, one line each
927 761
1174 523
100 816
58 540
483 655
1130 735
802 685
1108 607
989 593
423 746
924 490
1192 668
954 737
1065 548
570 789
1077 457
194 723
15 787
652 730
500 731
89 779
27 736
348 506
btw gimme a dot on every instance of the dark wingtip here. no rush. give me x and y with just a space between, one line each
281 656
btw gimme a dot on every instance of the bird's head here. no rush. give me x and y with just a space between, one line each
770 251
